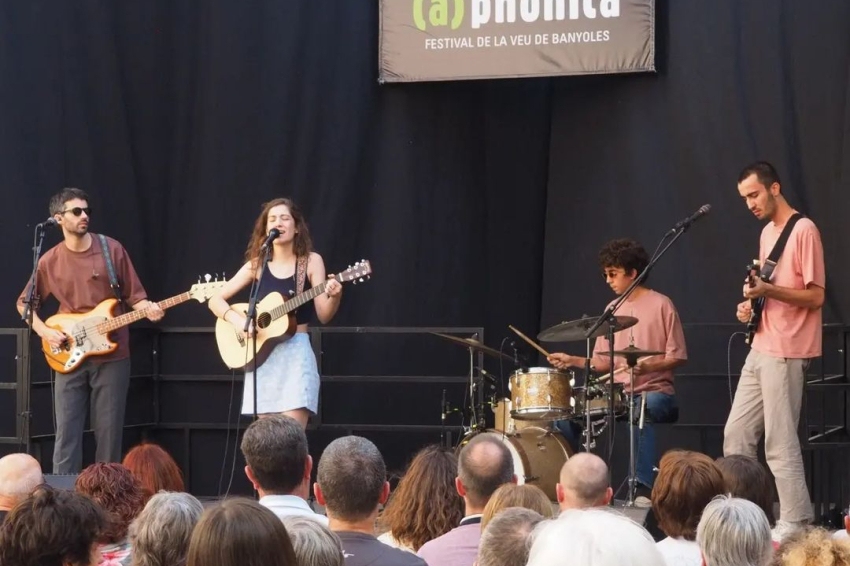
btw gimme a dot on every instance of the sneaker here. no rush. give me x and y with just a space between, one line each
643 502
785 528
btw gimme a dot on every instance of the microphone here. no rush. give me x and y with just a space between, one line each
273 234
49 222
686 223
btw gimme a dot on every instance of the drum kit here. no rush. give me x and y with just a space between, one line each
539 396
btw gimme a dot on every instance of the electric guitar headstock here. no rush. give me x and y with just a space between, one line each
202 292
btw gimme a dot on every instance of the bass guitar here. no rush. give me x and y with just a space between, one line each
87 334
275 321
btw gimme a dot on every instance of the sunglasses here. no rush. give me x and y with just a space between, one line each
76 211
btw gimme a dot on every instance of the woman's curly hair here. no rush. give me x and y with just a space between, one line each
119 494
812 546
425 505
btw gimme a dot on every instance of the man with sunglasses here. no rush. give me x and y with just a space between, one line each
659 329
76 274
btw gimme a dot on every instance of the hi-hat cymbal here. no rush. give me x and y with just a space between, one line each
631 351
575 330
474 344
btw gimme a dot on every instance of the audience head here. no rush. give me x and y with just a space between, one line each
314 544
506 539
584 482
160 534
686 482
747 478
425 504
20 474
734 532
352 479
155 469
592 537
812 547
118 493
526 496
52 528
276 457
240 532
484 464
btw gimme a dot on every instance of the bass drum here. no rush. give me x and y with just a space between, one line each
538 455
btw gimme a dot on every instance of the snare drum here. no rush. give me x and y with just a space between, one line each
538 455
540 394
598 405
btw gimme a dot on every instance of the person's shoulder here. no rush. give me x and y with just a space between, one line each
401 557
660 298
806 225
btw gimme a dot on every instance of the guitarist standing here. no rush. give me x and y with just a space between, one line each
76 273
288 378
788 336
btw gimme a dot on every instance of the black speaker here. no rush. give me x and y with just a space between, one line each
61 481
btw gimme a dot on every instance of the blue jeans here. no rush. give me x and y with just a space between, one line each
660 408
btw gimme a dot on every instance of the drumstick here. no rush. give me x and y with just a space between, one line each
607 376
532 344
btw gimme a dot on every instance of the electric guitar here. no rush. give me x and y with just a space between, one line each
88 333
275 321
754 271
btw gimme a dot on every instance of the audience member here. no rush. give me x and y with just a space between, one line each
52 528
686 482
155 469
314 543
279 466
526 496
812 547
352 483
747 478
734 532
584 482
484 464
592 537
20 474
425 505
160 535
240 532
122 497
506 539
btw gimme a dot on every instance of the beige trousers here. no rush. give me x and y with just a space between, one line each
768 401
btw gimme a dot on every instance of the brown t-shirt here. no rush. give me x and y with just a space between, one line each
80 281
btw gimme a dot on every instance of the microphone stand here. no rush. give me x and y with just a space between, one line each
251 316
608 316
31 304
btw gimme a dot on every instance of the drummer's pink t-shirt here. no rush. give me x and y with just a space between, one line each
787 331
658 328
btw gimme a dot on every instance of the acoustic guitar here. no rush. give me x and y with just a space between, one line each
88 333
275 321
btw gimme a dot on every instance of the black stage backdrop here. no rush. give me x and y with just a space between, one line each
479 203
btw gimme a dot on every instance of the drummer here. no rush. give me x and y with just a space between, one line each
658 328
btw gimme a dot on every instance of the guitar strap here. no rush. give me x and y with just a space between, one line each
107 257
300 274
779 247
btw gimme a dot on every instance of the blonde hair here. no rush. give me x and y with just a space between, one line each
812 547
511 495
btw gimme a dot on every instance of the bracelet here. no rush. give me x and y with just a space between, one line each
224 316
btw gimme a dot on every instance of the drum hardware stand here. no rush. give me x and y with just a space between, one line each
589 381
631 362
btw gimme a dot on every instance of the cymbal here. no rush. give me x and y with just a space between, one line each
574 330
631 351
475 345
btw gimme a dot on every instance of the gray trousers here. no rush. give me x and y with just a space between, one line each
106 384
768 401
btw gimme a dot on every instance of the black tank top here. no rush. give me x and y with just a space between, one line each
286 287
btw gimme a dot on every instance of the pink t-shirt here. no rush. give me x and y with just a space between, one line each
658 328
787 331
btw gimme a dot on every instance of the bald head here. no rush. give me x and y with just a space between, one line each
484 464
20 474
584 482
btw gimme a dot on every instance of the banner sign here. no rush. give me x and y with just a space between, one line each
436 40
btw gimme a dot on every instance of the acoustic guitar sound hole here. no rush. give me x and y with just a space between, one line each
264 320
